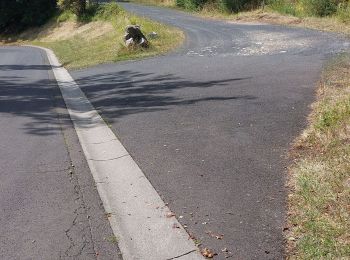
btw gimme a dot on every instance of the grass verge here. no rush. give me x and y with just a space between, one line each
164 3
98 39
319 200
327 24
268 15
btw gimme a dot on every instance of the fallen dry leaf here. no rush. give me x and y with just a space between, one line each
176 225
170 215
208 253
108 215
191 236
217 236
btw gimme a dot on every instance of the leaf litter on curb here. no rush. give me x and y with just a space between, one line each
175 225
170 214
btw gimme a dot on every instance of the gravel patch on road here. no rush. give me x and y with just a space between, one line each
263 43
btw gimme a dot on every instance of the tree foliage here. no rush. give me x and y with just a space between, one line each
78 7
312 7
17 15
293 7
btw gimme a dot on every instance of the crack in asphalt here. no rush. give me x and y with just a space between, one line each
179 256
48 171
105 141
104 160
80 202
80 213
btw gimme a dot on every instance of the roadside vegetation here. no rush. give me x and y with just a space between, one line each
19 15
95 36
319 200
326 15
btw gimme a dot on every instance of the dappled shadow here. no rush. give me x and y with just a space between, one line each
116 95
32 102
24 67
127 92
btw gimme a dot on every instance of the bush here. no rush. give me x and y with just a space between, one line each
66 16
93 12
78 7
318 7
20 14
234 6
191 4
343 12
180 3
282 6
108 11
224 5
231 5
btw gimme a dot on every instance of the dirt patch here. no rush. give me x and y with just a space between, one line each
70 29
66 30
271 18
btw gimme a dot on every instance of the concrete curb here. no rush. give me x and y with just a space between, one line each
136 212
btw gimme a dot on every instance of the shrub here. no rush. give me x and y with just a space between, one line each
231 5
282 6
190 4
108 11
180 3
224 5
343 12
78 7
66 16
234 6
318 7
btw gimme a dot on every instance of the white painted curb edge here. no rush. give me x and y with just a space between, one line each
137 214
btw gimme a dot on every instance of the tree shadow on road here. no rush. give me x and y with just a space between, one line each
123 93
34 103
115 95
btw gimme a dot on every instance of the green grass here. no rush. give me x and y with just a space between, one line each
319 200
84 49
112 239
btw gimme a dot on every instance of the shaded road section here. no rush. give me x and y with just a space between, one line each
49 207
210 124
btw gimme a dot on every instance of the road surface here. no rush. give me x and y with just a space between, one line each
211 123
49 206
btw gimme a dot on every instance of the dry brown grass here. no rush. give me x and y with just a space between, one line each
165 3
329 24
319 200
68 29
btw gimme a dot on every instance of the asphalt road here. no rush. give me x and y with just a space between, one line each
210 123
49 209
